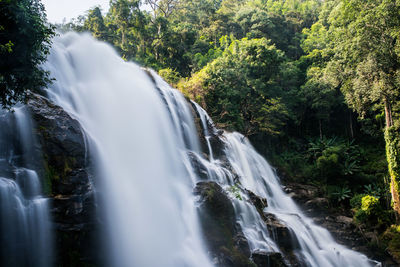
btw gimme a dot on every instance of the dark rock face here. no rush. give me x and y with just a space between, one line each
215 136
198 166
259 202
66 180
218 144
225 240
284 238
280 232
199 128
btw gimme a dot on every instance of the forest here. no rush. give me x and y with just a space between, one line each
315 85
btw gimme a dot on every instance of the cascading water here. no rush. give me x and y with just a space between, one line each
317 247
142 138
150 211
25 228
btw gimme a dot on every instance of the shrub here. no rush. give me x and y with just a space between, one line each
341 194
355 201
370 212
370 205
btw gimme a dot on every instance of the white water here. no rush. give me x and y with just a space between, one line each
317 247
139 137
150 210
25 228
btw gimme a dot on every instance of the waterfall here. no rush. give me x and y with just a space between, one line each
149 209
25 228
143 140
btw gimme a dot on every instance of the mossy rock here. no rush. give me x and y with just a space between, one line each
61 143
224 238
65 177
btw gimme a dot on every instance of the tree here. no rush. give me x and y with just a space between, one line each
162 7
365 66
25 39
95 24
125 18
243 91
321 96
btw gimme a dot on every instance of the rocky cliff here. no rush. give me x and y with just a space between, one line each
64 168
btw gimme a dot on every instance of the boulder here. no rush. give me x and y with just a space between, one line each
259 202
281 233
198 166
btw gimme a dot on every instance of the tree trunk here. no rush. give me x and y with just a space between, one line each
392 140
388 114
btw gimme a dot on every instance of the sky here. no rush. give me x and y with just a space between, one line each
57 10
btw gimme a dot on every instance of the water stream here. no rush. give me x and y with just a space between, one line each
25 226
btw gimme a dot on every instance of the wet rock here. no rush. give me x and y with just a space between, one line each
270 259
199 128
215 136
60 137
241 243
259 202
217 143
281 233
198 166
224 238
66 179
218 215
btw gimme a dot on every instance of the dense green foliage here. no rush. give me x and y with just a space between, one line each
238 95
24 44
